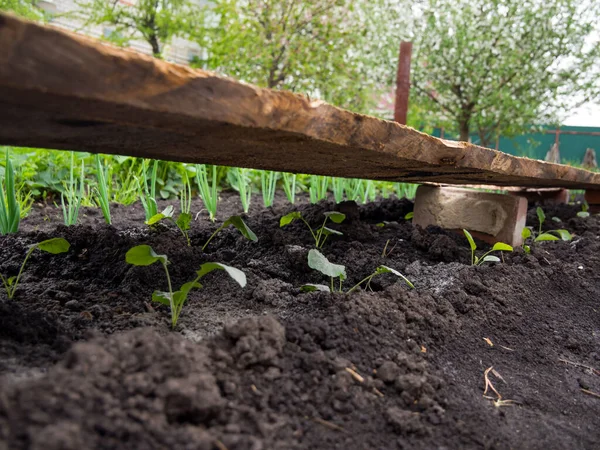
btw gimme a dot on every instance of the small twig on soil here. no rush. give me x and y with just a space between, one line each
355 375
378 392
499 376
506 348
220 445
488 383
594 371
498 403
327 424
592 393
488 341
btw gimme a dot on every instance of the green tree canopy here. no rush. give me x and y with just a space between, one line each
155 21
22 8
496 66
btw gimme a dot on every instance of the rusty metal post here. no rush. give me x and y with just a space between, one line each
403 83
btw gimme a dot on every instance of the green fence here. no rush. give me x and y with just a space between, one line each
572 141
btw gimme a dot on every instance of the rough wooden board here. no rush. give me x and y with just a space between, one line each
65 91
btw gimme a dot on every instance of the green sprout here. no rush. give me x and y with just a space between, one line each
240 181
486 257
268 182
208 192
317 261
148 193
10 214
53 246
552 235
239 224
318 188
584 210
289 186
338 185
103 189
320 235
74 196
182 222
144 255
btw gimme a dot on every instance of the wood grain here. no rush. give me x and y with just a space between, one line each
61 90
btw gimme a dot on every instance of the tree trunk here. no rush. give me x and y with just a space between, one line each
153 41
463 126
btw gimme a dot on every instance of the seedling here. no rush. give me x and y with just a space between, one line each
10 211
268 182
584 210
238 223
148 193
552 235
289 186
182 222
240 181
53 246
208 192
486 257
320 235
318 188
144 255
102 190
317 261
409 216
74 197
338 185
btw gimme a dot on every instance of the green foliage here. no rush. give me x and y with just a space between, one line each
102 189
318 188
23 8
495 67
584 213
182 222
552 235
486 257
317 261
321 234
73 195
53 246
239 179
338 185
268 181
239 224
155 21
10 211
148 193
289 186
144 255
406 190
208 192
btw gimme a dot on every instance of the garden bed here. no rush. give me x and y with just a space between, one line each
86 361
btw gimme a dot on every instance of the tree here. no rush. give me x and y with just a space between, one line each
324 48
22 8
156 21
497 66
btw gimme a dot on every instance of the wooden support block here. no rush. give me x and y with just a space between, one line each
549 196
493 217
592 197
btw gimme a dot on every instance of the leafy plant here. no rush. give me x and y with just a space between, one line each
144 255
338 185
148 193
10 211
406 190
239 224
318 188
317 261
53 246
102 190
208 192
289 186
321 234
268 182
239 179
584 210
552 235
73 195
486 257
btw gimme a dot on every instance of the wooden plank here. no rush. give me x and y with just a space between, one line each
65 91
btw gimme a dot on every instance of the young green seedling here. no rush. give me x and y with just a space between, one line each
486 257
144 255
584 210
319 262
552 235
10 211
182 222
238 223
53 246
320 235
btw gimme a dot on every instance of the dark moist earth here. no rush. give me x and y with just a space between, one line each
86 362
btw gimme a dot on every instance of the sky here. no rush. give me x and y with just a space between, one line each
587 115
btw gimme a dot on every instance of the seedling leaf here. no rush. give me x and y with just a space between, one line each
315 288
409 215
317 261
491 258
541 216
54 246
583 214
289 218
386 269
236 274
162 297
335 217
501 246
328 231
526 233
166 213
546 237
143 255
564 234
183 221
239 223
471 240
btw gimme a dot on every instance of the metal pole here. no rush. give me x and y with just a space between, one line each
403 83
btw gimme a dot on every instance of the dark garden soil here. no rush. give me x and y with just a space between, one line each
86 362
